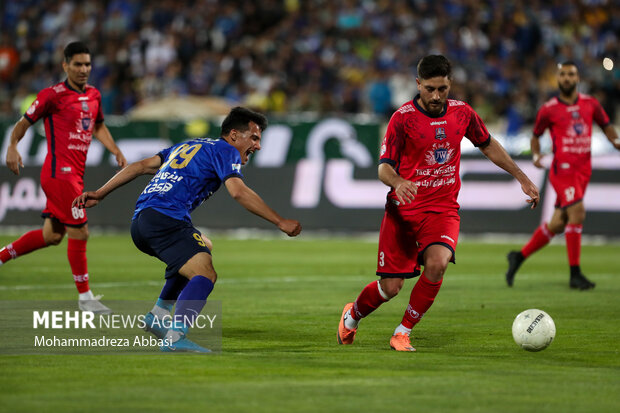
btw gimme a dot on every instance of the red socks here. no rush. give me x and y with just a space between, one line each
422 297
28 242
572 233
368 301
541 237
76 252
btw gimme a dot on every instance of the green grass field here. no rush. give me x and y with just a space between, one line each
282 300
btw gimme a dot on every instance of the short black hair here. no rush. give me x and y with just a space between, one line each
239 119
568 63
434 65
74 48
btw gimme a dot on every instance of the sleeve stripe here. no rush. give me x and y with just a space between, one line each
232 175
28 118
388 161
485 143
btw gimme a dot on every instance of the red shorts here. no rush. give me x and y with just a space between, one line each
569 183
60 194
404 238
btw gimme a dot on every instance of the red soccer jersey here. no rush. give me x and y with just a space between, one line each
570 126
426 150
69 117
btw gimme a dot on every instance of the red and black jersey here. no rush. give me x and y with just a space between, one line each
570 126
70 117
426 150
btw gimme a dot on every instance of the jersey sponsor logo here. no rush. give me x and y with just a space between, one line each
85 123
33 107
443 122
59 88
440 134
452 102
579 128
236 167
439 154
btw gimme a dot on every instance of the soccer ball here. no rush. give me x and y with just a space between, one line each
533 330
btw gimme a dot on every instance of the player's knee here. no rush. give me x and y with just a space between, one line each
53 238
390 287
435 267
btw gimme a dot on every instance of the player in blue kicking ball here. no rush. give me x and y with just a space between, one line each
186 175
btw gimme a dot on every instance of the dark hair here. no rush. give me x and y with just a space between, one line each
568 63
434 65
239 118
75 48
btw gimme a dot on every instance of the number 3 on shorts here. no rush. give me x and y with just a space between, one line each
198 238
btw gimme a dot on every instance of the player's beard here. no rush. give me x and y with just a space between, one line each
567 89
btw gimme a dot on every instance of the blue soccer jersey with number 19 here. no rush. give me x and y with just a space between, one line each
190 173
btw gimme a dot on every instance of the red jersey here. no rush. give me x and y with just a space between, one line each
69 117
426 150
570 126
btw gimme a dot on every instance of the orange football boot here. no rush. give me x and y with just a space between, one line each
400 342
345 335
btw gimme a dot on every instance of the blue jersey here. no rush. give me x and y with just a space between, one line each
190 173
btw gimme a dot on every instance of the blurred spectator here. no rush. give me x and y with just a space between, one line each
316 55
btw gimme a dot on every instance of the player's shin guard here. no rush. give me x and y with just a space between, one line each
191 302
422 297
572 233
541 237
76 253
368 301
30 241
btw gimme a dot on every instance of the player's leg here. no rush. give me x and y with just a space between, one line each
437 236
159 319
50 234
576 216
396 257
541 237
192 299
77 239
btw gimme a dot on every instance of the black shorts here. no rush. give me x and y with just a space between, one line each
171 240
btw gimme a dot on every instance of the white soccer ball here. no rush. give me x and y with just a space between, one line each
533 330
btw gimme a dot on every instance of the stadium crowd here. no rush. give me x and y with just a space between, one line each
320 56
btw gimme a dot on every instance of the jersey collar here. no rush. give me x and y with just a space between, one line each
568 104
443 112
71 88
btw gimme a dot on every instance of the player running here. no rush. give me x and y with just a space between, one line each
186 175
569 118
72 114
420 159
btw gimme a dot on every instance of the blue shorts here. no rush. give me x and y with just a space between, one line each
172 241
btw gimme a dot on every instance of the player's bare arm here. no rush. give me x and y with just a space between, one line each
102 133
148 166
611 134
251 201
536 155
13 158
498 155
405 190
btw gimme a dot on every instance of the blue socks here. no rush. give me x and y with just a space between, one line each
191 301
173 287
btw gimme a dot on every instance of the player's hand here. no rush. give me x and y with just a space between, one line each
120 159
87 200
406 191
14 160
291 227
536 160
531 190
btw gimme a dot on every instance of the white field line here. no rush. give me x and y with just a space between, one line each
453 278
